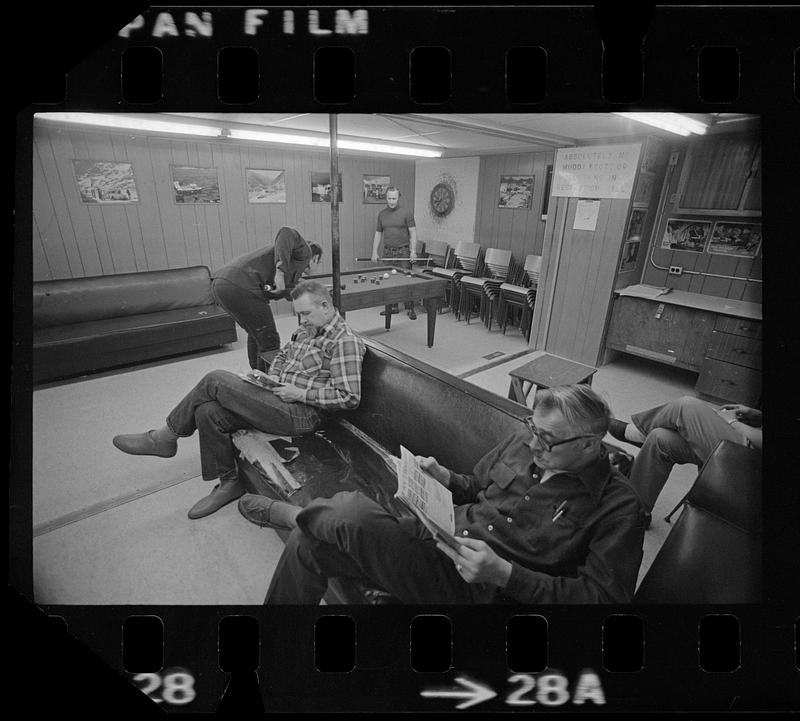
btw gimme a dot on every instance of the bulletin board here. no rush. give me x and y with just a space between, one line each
596 171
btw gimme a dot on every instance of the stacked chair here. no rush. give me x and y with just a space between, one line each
485 289
438 254
713 552
467 260
520 295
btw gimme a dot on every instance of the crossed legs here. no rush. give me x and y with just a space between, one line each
686 430
350 535
218 405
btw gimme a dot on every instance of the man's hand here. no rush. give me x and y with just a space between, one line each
431 466
476 562
290 394
728 415
374 257
750 416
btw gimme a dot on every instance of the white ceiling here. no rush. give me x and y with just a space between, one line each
465 134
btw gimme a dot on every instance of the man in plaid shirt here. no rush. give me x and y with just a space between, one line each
319 372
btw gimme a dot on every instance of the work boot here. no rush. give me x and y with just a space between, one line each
227 490
146 444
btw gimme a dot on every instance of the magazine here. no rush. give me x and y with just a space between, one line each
430 501
260 379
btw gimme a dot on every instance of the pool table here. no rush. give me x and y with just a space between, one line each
397 288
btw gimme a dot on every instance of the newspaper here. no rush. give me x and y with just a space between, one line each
427 498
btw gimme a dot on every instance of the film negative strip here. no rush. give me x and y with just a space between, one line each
179 656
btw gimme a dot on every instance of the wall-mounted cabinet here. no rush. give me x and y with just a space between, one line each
721 173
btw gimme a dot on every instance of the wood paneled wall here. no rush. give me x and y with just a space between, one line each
580 278
73 239
710 263
519 230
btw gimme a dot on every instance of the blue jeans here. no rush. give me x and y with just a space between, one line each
222 403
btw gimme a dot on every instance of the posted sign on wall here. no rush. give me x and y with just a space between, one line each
596 171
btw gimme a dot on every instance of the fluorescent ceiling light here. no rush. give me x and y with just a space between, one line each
672 122
210 131
130 123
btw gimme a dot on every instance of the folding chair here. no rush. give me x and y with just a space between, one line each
466 260
520 295
496 266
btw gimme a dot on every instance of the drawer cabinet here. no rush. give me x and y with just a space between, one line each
731 368
666 333
738 326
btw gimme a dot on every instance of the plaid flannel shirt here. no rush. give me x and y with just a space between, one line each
326 363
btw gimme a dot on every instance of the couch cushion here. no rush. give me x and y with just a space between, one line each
78 300
129 330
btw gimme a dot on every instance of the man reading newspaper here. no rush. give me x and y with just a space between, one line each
543 518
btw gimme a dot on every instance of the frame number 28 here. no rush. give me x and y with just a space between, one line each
174 686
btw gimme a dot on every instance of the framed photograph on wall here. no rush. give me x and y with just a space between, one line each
195 185
105 182
630 253
636 224
375 188
742 240
516 191
265 186
686 235
321 187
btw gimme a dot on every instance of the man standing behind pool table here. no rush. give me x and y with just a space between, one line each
398 230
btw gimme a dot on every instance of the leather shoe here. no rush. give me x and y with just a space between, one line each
145 444
617 429
412 314
256 509
224 492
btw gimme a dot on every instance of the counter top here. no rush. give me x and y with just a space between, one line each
712 303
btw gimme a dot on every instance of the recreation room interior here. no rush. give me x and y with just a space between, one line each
630 252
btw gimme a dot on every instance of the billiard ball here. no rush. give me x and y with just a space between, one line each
394 271
385 275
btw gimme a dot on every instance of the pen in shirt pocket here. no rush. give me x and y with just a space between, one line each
560 510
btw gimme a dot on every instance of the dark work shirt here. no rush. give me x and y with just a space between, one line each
394 224
253 270
590 554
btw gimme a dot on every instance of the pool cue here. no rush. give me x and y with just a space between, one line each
416 260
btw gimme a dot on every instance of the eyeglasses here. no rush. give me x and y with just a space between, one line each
550 445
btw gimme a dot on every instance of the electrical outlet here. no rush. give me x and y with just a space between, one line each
675 270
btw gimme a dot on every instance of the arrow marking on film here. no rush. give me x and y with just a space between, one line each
474 693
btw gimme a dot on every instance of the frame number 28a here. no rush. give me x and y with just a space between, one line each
174 686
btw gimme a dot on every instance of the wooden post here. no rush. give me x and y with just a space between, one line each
337 288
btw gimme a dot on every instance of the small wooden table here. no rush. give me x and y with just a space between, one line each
546 371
